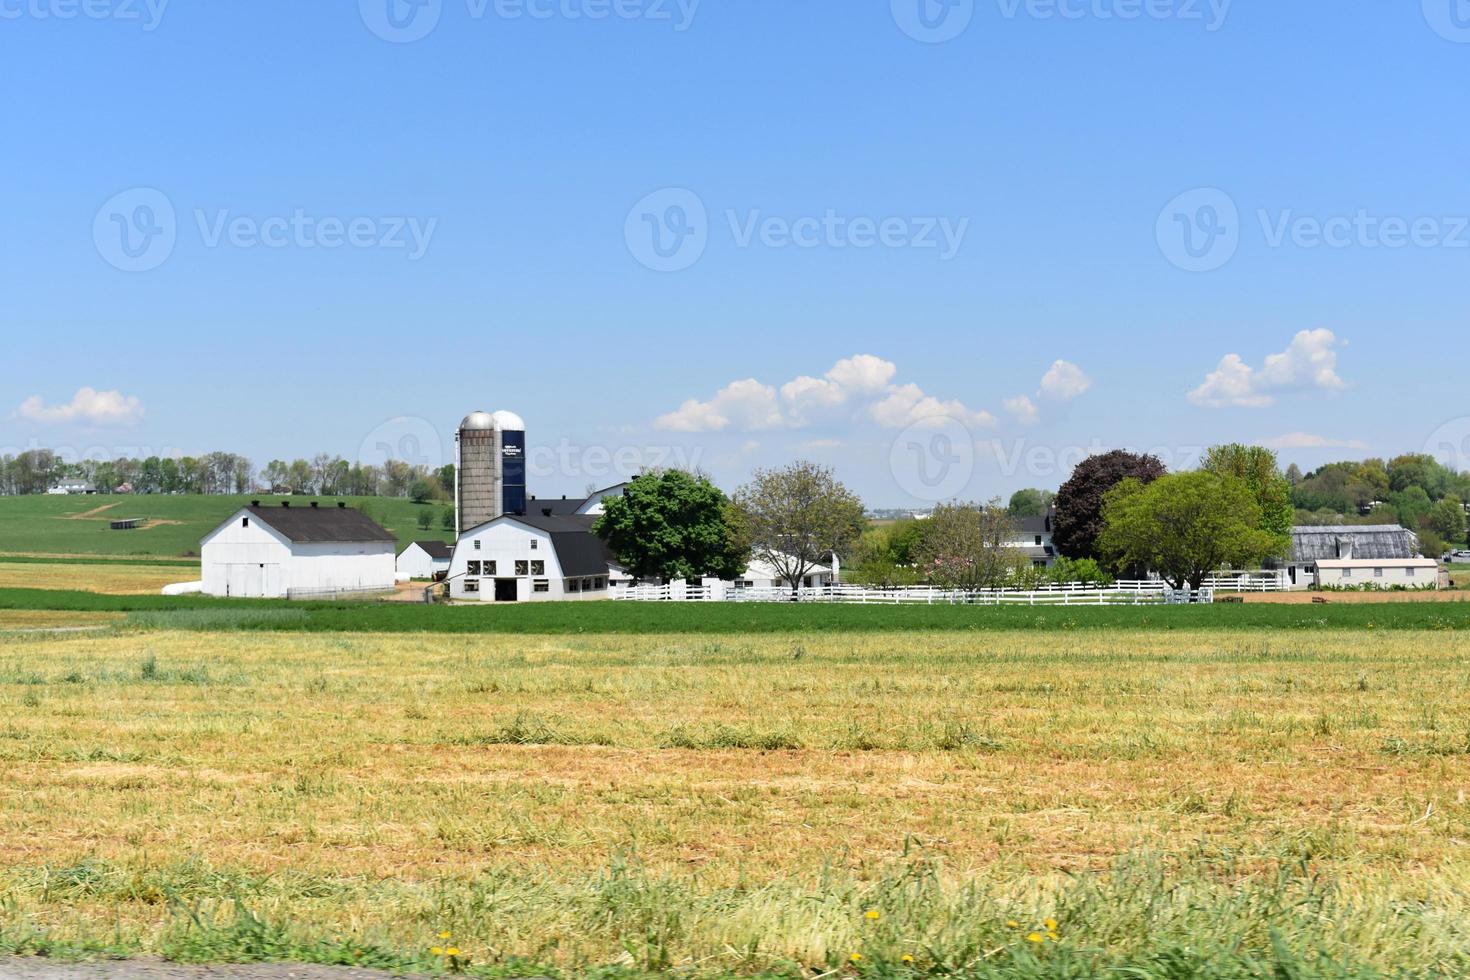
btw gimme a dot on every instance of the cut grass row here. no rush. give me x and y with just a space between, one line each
1182 804
205 613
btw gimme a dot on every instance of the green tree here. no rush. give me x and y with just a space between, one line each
446 519
1256 466
1079 519
969 546
1410 506
1030 502
674 525
798 517
1447 519
425 519
1185 527
1431 545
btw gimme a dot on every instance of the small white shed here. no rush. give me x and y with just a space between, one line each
297 552
1378 573
425 560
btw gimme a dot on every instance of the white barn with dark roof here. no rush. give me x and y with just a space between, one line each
1358 555
530 557
295 551
425 560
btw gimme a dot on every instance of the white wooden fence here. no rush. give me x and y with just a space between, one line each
1127 594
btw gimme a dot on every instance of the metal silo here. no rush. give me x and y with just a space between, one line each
476 492
510 434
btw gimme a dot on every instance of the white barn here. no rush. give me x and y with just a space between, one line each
297 552
530 557
425 560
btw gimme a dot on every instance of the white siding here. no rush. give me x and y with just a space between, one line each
505 542
415 562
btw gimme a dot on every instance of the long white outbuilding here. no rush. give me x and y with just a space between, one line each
295 551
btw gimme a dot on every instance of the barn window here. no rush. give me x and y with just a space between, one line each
523 568
490 568
477 544
471 585
538 568
473 568
1378 573
541 585
244 522
1409 572
574 585
535 544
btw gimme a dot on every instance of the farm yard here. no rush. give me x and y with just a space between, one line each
1176 802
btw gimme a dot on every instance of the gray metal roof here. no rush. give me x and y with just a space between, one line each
332 525
1368 541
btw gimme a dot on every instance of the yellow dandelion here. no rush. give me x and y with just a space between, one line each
437 950
445 934
1051 925
873 915
856 957
1013 924
452 951
908 957
1034 937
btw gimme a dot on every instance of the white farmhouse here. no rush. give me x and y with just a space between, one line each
1033 537
297 552
425 560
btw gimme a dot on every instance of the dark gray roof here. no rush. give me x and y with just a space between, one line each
436 549
1309 544
330 524
564 507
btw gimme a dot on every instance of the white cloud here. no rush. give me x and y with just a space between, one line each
908 405
1308 364
1306 440
1024 410
88 406
855 384
748 405
1064 381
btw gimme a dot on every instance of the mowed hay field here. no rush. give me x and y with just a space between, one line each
1154 803
108 578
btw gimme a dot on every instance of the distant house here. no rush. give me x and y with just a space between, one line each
297 552
1033 538
425 560
1337 555
67 487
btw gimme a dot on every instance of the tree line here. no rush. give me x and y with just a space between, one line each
1119 514
38 470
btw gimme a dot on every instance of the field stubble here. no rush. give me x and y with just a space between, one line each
741 804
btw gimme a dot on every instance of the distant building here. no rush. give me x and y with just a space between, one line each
297 552
1034 538
67 487
1350 554
531 557
426 560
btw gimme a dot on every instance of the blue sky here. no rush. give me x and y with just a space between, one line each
920 230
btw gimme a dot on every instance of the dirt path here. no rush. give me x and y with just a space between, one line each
156 970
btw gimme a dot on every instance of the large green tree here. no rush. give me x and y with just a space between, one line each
1447 519
1079 502
1256 466
1030 502
798 516
674 525
1185 527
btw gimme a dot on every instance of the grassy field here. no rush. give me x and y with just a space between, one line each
46 525
1460 576
1175 803
200 613
112 578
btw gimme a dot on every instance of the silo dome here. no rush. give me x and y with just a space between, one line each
508 422
478 421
